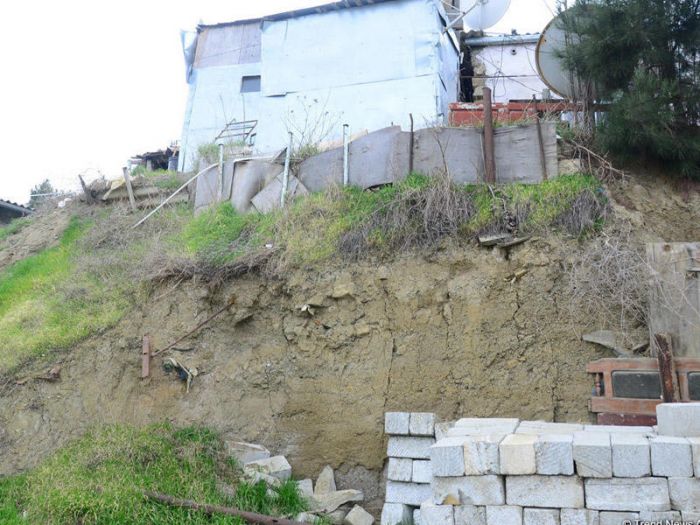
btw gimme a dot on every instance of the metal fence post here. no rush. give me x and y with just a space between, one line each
221 171
346 174
285 175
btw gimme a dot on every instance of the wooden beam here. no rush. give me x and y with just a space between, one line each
489 144
667 369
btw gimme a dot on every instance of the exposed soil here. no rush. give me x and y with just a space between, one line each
452 332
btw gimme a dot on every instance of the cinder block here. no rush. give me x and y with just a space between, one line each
400 469
546 427
447 457
504 514
671 457
409 447
470 515
630 455
690 516
593 454
421 424
671 516
685 494
393 513
695 449
407 493
469 490
422 472
442 428
481 454
473 426
628 494
396 423
618 518
436 514
545 491
579 517
541 517
678 419
554 454
517 454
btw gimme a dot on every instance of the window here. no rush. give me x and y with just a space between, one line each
250 84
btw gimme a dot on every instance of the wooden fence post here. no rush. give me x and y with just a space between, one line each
489 148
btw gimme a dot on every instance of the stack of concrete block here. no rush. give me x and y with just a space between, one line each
411 434
511 472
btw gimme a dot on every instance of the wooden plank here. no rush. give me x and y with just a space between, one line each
667 369
624 406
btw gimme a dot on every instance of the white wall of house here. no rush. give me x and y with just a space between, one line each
368 67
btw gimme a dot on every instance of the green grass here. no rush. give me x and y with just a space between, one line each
163 179
35 313
99 479
13 227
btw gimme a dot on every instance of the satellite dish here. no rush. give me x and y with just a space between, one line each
482 14
554 74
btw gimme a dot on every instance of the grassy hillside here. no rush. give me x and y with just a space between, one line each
99 479
102 266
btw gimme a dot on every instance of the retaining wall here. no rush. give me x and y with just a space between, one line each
511 472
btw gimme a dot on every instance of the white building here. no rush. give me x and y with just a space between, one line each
365 63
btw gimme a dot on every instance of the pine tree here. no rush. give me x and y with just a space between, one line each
643 57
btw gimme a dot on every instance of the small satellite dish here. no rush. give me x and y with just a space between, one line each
554 74
482 14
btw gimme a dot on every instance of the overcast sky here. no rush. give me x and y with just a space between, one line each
85 84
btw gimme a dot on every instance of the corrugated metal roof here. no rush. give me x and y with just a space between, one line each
502 40
15 207
324 8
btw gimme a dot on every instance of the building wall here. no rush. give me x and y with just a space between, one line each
368 67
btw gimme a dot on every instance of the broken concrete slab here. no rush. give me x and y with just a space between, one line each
325 484
331 501
276 466
608 339
246 452
358 516
268 198
306 487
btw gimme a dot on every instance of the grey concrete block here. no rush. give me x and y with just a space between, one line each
593 454
618 518
447 457
545 491
416 517
470 515
422 424
517 454
678 419
481 454
579 517
631 456
690 516
442 428
695 450
498 515
554 454
409 447
246 452
306 487
660 517
436 514
546 427
358 516
469 490
396 423
400 469
628 494
421 471
671 457
393 513
685 494
541 517
407 493
276 466
474 426
608 429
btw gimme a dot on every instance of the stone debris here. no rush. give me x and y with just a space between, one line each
329 502
358 516
276 466
246 452
306 487
325 484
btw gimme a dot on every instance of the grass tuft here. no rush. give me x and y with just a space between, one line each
14 227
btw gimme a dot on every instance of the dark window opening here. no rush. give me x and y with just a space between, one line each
250 84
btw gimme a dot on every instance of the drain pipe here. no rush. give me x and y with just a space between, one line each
346 174
285 175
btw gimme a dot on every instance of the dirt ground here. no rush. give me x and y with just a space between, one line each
451 332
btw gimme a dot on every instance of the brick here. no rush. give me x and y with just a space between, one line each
396 423
436 514
469 490
579 517
630 455
470 515
593 454
393 513
660 517
447 457
400 469
685 494
678 419
671 457
421 424
421 471
695 449
358 516
618 518
545 491
481 454
407 493
504 514
554 454
409 447
517 454
628 494
541 517
546 427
